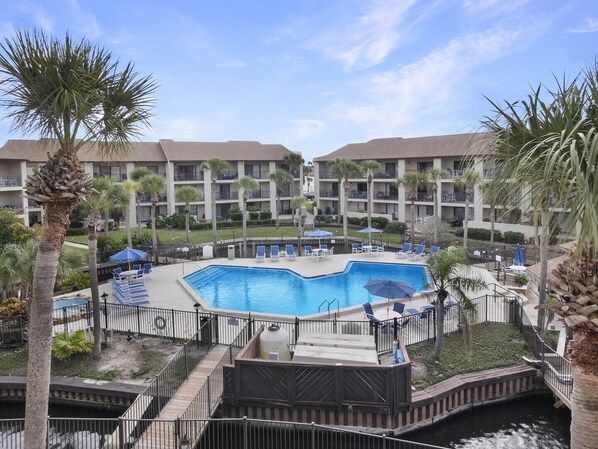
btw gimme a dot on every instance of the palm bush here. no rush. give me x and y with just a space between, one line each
65 345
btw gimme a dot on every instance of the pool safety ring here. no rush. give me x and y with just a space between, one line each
160 322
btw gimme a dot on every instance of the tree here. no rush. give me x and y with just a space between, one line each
294 161
344 170
152 185
215 166
433 176
469 180
450 275
412 180
77 94
187 195
12 229
280 178
104 185
370 167
308 173
494 192
298 203
245 184
136 176
129 188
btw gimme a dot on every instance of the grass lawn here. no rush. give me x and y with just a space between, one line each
495 345
73 249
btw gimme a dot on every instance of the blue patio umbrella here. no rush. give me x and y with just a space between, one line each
318 234
518 259
369 231
128 255
387 288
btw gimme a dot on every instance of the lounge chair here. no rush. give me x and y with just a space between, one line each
402 323
404 251
426 311
433 251
450 303
355 249
290 252
329 252
367 307
419 251
374 250
381 249
274 253
116 273
136 266
260 253
323 246
376 322
308 250
147 270
398 307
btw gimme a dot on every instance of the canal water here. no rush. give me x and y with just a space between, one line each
530 423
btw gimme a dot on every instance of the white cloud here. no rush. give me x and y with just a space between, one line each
590 25
366 40
83 21
232 64
307 128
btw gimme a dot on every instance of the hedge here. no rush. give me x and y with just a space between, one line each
76 231
396 227
480 234
513 237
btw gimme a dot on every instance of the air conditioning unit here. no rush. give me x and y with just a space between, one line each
273 355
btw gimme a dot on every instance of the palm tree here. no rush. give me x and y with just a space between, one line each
215 166
129 187
77 94
434 175
119 198
370 167
450 275
494 192
413 180
469 180
308 171
297 203
344 170
152 185
245 184
187 195
280 178
94 204
294 161
136 176
103 185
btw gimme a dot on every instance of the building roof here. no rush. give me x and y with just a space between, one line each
35 151
228 151
413 147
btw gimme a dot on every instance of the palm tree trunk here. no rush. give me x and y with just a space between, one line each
277 208
492 223
345 217
214 225
187 212
244 230
128 226
412 222
338 215
465 223
544 236
369 186
154 235
439 328
106 221
92 241
436 218
40 322
584 352
138 212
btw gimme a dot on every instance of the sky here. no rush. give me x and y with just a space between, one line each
315 75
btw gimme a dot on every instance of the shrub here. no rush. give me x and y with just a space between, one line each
520 280
107 243
379 222
200 226
479 234
145 239
76 225
13 307
265 215
395 227
327 219
254 215
177 220
65 345
75 281
513 237
235 214
76 231
356 221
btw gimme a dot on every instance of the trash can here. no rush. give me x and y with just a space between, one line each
208 252
231 252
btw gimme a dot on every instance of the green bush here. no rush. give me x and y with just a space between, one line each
177 220
65 345
234 214
356 221
265 215
76 231
75 281
201 226
144 240
479 234
379 222
254 215
76 225
513 237
109 242
327 219
395 227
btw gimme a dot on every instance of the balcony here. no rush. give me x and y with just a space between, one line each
148 198
386 196
421 196
259 195
290 192
227 176
389 174
10 181
227 195
118 177
454 197
358 195
188 177
326 175
452 174
330 194
262 174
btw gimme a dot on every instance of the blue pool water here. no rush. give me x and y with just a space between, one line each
283 292
71 306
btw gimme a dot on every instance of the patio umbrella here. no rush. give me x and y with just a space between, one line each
518 259
387 288
369 231
128 255
318 234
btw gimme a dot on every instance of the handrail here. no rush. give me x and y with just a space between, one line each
510 292
323 302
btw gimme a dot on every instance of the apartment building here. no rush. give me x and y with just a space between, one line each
179 162
398 156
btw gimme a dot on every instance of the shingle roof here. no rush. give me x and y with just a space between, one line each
405 148
35 151
228 151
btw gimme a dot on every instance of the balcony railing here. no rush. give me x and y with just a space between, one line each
421 196
330 193
227 176
148 198
358 195
227 195
290 192
121 177
257 195
452 174
388 174
386 196
455 198
326 175
188 177
10 181
262 174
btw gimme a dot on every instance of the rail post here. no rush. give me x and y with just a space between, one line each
65 323
245 433
138 320
313 435
173 326
105 298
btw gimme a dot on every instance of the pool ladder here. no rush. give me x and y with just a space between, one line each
328 304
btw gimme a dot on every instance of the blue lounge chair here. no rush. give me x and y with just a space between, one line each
367 307
426 311
290 252
147 270
419 251
404 251
308 250
398 307
434 250
136 266
274 253
323 246
355 249
116 273
260 253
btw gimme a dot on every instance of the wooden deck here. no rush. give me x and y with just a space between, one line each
161 433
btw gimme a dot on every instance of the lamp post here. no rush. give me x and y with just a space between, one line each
184 442
105 298
196 307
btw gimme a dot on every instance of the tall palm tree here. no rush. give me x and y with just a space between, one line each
344 170
308 171
434 175
216 167
94 204
187 195
152 185
469 180
280 178
103 185
244 185
494 192
294 161
136 176
412 180
450 275
370 167
77 94
119 198
129 187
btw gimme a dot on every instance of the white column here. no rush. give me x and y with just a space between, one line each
240 174
401 167
25 201
169 188
133 199
272 185
478 203
207 193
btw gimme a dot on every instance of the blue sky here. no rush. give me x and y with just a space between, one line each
315 75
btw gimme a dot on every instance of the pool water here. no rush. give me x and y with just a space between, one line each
283 292
70 306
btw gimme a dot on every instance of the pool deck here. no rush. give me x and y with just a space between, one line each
166 288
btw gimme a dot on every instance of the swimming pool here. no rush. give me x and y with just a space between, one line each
283 292
70 306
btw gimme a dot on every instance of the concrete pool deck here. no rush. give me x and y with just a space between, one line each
166 289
